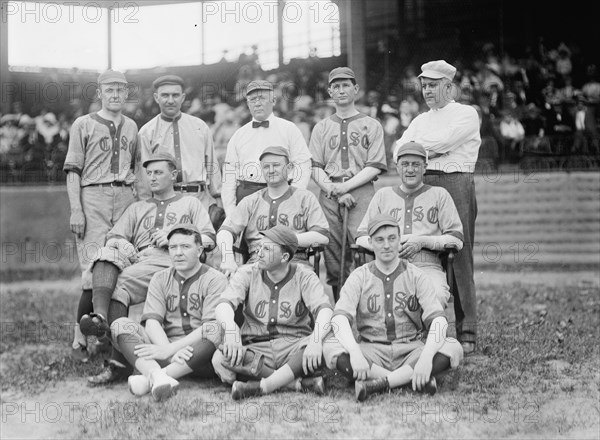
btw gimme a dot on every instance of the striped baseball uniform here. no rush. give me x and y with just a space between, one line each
297 209
390 312
428 211
101 153
344 147
190 141
136 226
183 305
276 310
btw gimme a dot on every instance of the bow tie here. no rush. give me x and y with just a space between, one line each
256 124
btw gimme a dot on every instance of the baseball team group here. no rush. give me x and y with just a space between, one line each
231 289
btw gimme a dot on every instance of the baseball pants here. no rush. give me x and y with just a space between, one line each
102 207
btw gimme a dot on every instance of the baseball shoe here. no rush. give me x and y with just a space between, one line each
251 364
468 347
94 325
163 385
112 372
242 390
139 385
80 353
365 388
313 384
430 387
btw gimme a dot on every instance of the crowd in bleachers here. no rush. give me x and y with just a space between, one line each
545 103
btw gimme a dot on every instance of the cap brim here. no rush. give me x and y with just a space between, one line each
341 76
432 74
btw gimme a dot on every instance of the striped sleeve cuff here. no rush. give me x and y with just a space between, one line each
154 316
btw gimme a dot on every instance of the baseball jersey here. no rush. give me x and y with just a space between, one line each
183 305
452 131
343 147
273 310
429 211
143 218
247 144
388 308
298 209
101 152
190 141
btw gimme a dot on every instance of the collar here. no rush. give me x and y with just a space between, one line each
270 119
168 119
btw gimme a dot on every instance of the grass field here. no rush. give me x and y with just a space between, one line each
536 374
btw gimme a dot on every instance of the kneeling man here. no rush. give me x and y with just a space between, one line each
276 342
180 332
390 299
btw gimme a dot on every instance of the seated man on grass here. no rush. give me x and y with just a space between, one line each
277 344
180 332
389 299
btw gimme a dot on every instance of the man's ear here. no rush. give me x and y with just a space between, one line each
155 97
370 242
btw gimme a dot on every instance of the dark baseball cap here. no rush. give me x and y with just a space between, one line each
167 80
379 221
157 157
277 151
184 227
111 76
341 73
283 236
411 147
259 85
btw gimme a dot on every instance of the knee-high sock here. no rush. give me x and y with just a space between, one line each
85 306
104 281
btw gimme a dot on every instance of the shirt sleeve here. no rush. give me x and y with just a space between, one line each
229 176
75 159
430 304
463 125
315 146
313 294
376 152
213 171
155 306
239 218
238 287
201 219
316 217
216 286
350 296
300 156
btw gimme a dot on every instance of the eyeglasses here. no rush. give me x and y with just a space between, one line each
255 99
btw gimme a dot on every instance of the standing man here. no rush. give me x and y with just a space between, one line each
278 203
100 167
136 248
425 214
242 175
348 154
180 332
392 302
449 131
281 302
185 137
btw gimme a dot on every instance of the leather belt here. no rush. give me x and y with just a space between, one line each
200 187
109 185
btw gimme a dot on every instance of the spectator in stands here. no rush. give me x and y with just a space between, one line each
591 89
535 134
586 129
513 133
222 132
